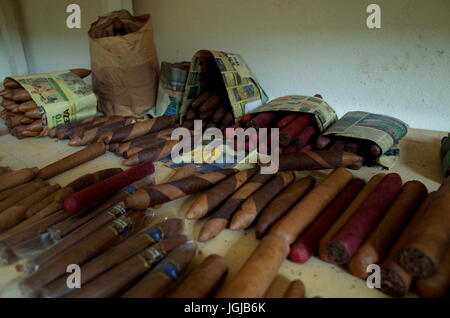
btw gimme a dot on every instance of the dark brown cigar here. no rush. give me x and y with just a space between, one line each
80 129
203 279
157 194
282 203
228 119
159 280
212 198
30 188
219 114
139 129
296 289
62 129
116 255
422 255
14 120
144 142
151 154
93 245
203 97
117 279
191 114
213 102
250 208
72 161
438 284
220 218
311 160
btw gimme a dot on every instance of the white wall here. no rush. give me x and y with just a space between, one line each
324 46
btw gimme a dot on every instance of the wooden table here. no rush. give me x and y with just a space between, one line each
419 161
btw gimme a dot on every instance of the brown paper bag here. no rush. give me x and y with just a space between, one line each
124 62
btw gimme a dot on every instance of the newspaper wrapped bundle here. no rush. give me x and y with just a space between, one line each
34 104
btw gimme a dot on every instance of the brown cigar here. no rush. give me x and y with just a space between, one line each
16 213
18 177
11 83
117 279
40 205
203 280
219 114
14 121
20 95
151 154
136 149
360 198
395 281
4 170
228 119
77 130
61 130
311 160
212 198
81 72
116 255
157 194
305 212
36 126
11 191
144 142
191 114
438 284
203 97
213 102
140 129
41 214
296 289
25 121
422 255
34 114
250 208
29 189
159 280
27 106
322 142
220 218
72 161
282 203
258 272
387 231
93 245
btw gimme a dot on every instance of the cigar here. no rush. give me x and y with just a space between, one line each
116 255
14 198
97 134
41 214
350 237
40 205
381 239
437 284
151 154
282 203
228 119
307 210
34 114
296 289
252 206
191 114
88 197
189 124
93 245
218 114
72 161
160 279
395 281
157 194
36 126
19 95
11 83
312 160
301 140
286 120
203 280
203 97
24 121
213 102
139 129
322 142
258 272
307 243
14 120
294 128
118 278
262 120
11 191
430 239
212 198
4 170
133 147
16 213
220 218
63 131
81 72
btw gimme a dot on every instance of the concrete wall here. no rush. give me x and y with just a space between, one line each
324 46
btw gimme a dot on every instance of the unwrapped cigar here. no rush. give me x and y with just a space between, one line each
40 205
116 255
118 278
250 208
151 154
157 194
212 198
11 191
381 239
203 279
306 211
29 189
65 128
437 284
18 177
430 240
296 289
148 141
312 160
159 280
72 161
80 129
282 203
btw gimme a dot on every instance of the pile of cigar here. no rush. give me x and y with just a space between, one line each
136 140
21 114
345 221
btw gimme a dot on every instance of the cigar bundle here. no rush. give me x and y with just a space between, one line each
21 113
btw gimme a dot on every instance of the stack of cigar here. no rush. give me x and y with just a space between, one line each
137 141
362 147
21 114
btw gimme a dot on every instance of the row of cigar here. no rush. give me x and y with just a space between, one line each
345 221
136 141
21 114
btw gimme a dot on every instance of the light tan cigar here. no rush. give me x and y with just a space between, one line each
91 152
25 121
360 198
296 289
52 208
36 126
437 285
40 205
27 106
203 279
34 114
30 188
7 193
15 214
306 211
18 177
258 272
